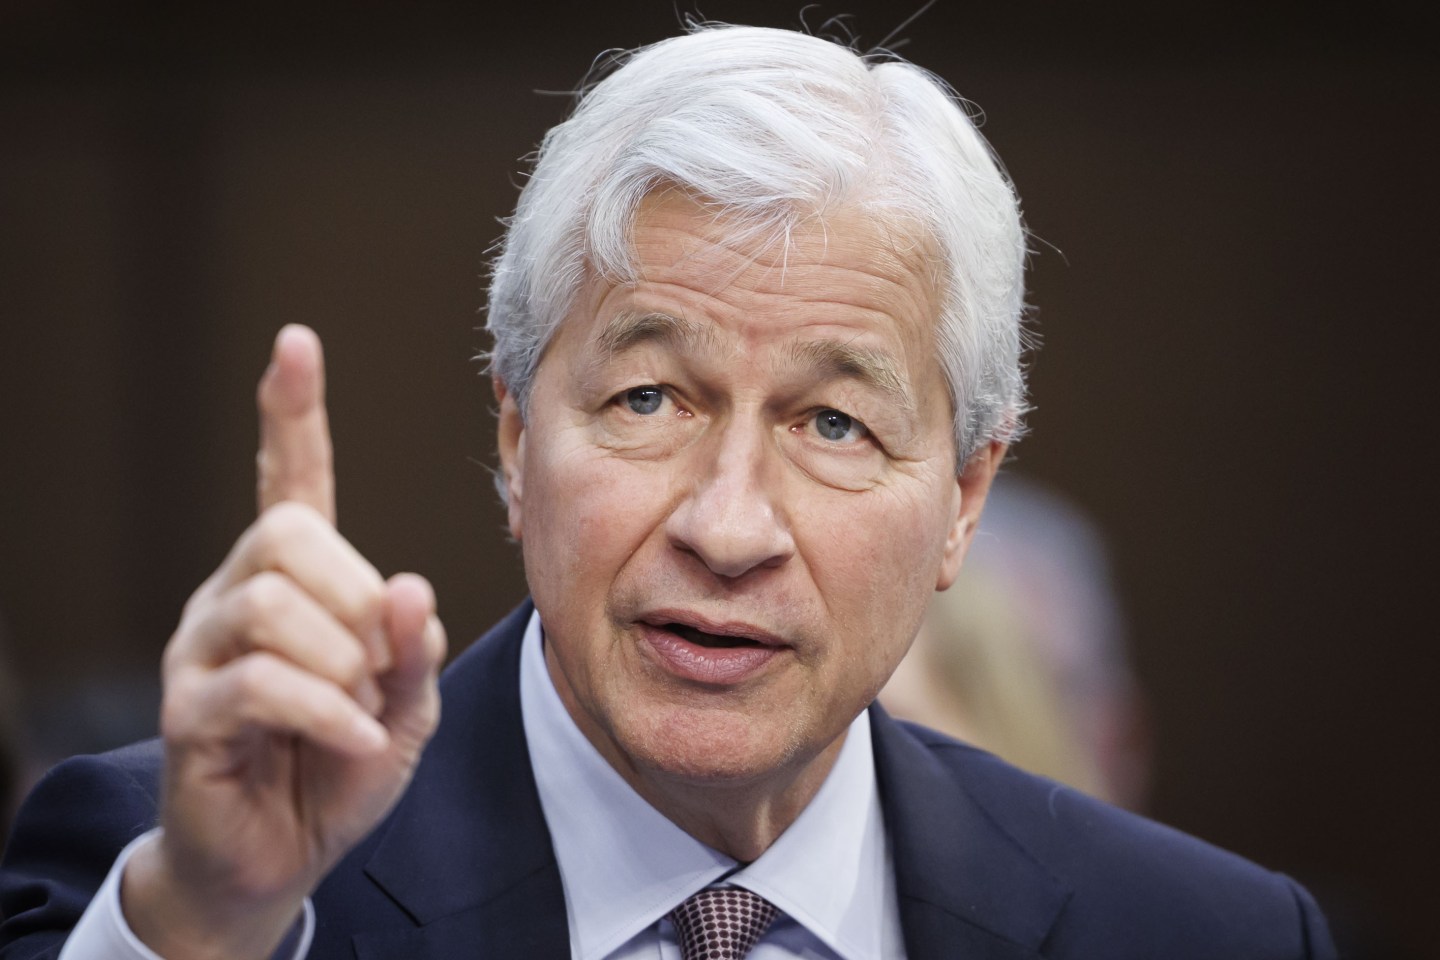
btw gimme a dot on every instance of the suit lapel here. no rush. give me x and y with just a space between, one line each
466 853
468 856
966 888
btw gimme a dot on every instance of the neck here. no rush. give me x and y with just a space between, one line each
741 820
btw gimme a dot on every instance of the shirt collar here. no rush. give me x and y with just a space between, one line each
830 870
624 865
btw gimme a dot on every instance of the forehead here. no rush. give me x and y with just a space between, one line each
846 253
849 276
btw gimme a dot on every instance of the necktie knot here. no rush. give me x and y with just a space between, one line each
723 923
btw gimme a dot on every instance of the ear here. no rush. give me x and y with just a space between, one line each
973 485
510 430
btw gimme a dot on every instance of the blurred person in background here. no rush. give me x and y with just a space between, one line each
1025 656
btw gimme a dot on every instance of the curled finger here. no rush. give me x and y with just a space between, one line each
293 539
261 691
270 612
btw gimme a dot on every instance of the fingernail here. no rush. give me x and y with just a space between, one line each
288 332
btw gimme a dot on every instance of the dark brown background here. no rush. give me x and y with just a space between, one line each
1235 378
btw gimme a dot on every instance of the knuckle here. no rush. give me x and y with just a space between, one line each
173 658
370 599
264 597
196 600
183 646
362 602
197 606
348 663
254 680
172 715
285 521
178 707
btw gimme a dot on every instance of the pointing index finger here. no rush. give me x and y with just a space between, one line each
295 461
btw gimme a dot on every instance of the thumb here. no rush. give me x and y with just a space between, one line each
417 648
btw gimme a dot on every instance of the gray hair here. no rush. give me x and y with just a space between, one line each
770 127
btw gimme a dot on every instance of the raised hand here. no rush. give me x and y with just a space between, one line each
300 689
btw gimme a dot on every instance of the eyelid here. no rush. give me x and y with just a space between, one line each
667 394
862 432
624 392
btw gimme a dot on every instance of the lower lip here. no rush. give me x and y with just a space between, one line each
713 665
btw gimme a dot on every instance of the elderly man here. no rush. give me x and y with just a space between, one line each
756 329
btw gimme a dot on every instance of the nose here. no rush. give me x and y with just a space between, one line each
731 518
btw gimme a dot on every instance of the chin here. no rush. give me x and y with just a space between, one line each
712 747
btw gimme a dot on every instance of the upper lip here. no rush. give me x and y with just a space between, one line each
722 628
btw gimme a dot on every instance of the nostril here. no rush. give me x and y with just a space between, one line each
729 520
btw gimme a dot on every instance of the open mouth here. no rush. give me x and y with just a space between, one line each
735 652
714 641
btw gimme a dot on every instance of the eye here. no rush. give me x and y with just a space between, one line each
644 400
839 427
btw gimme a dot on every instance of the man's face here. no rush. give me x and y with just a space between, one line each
736 489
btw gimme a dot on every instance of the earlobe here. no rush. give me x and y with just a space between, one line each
971 488
510 432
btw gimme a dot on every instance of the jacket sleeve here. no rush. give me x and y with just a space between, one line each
66 837
1314 931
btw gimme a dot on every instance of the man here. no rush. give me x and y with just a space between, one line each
756 354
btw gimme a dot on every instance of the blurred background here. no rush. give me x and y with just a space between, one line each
1233 278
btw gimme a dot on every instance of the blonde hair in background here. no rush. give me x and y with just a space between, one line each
1024 655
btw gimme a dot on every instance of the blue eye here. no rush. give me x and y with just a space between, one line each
644 400
836 426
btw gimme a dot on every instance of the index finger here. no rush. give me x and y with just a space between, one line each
295 462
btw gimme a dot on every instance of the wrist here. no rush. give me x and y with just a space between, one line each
180 919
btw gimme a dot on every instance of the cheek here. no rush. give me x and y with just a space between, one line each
881 538
880 565
585 511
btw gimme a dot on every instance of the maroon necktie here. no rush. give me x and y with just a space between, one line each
722 923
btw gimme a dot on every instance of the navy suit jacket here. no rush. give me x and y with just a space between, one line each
990 863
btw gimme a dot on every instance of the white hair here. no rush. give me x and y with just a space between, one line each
768 128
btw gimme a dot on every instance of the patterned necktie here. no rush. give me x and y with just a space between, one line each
722 923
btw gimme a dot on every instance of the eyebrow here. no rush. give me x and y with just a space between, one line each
627 330
831 358
871 368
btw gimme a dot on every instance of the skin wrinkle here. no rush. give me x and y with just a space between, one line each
774 157
817 360
905 243
628 329
704 515
871 368
886 416
883 257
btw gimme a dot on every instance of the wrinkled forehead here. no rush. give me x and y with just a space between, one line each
857 228
870 253
848 296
